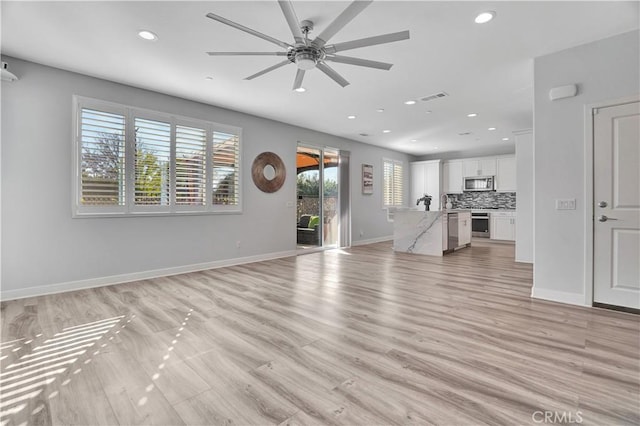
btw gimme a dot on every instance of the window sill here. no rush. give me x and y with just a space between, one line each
88 215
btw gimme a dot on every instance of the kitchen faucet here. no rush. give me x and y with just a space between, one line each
427 201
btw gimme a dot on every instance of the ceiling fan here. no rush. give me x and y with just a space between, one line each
309 54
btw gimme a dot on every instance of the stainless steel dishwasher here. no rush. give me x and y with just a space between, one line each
452 230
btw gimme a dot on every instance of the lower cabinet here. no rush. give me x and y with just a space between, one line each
464 228
503 226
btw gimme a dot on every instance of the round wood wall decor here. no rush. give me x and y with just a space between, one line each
268 172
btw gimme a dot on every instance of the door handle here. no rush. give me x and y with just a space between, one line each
604 218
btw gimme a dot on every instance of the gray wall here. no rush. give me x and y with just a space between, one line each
44 249
604 70
524 208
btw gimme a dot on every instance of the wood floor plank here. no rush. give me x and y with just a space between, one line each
234 396
361 336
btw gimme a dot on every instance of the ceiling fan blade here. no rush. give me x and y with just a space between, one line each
360 62
292 20
266 70
247 53
332 74
248 30
297 83
343 19
369 41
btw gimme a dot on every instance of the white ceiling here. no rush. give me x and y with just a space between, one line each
486 69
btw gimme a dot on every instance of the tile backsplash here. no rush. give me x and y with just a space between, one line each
483 200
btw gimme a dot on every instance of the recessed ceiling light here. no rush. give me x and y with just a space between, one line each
208 78
386 131
505 139
428 112
364 134
414 140
410 102
464 133
491 128
300 89
485 17
147 35
435 147
351 117
380 110
473 114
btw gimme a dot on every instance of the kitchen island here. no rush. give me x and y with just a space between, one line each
431 232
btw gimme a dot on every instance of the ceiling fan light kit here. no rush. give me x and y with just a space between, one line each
309 54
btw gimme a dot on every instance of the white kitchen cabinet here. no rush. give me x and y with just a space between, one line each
426 179
452 176
479 167
418 182
503 226
506 174
464 228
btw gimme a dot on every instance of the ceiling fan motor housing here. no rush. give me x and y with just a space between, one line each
305 57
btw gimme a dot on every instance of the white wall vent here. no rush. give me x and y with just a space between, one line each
434 96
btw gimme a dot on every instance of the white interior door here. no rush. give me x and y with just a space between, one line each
616 224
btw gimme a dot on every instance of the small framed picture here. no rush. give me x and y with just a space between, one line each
367 179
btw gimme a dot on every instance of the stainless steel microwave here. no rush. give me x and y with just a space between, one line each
479 183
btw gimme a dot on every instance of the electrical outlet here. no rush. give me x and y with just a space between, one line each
289 204
566 204
361 233
237 244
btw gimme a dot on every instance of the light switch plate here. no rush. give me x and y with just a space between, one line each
566 204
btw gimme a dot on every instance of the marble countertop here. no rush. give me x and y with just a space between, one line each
443 210
493 210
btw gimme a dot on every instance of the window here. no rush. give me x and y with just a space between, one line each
393 183
131 161
226 182
102 158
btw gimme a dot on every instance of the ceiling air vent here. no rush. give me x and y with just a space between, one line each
434 96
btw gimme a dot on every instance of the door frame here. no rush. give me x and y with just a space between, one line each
588 189
322 149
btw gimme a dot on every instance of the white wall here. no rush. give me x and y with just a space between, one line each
45 250
524 201
604 70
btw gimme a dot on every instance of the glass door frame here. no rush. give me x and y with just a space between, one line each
321 197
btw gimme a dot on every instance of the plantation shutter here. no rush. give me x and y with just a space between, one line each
387 190
190 166
152 159
398 184
393 183
102 170
226 169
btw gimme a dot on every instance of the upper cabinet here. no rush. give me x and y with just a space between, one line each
452 177
502 167
425 179
506 174
479 167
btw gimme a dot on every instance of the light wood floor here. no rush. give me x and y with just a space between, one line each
355 337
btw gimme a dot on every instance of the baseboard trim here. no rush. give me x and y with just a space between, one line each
558 296
135 276
372 241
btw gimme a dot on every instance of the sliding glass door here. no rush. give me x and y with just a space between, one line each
317 193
